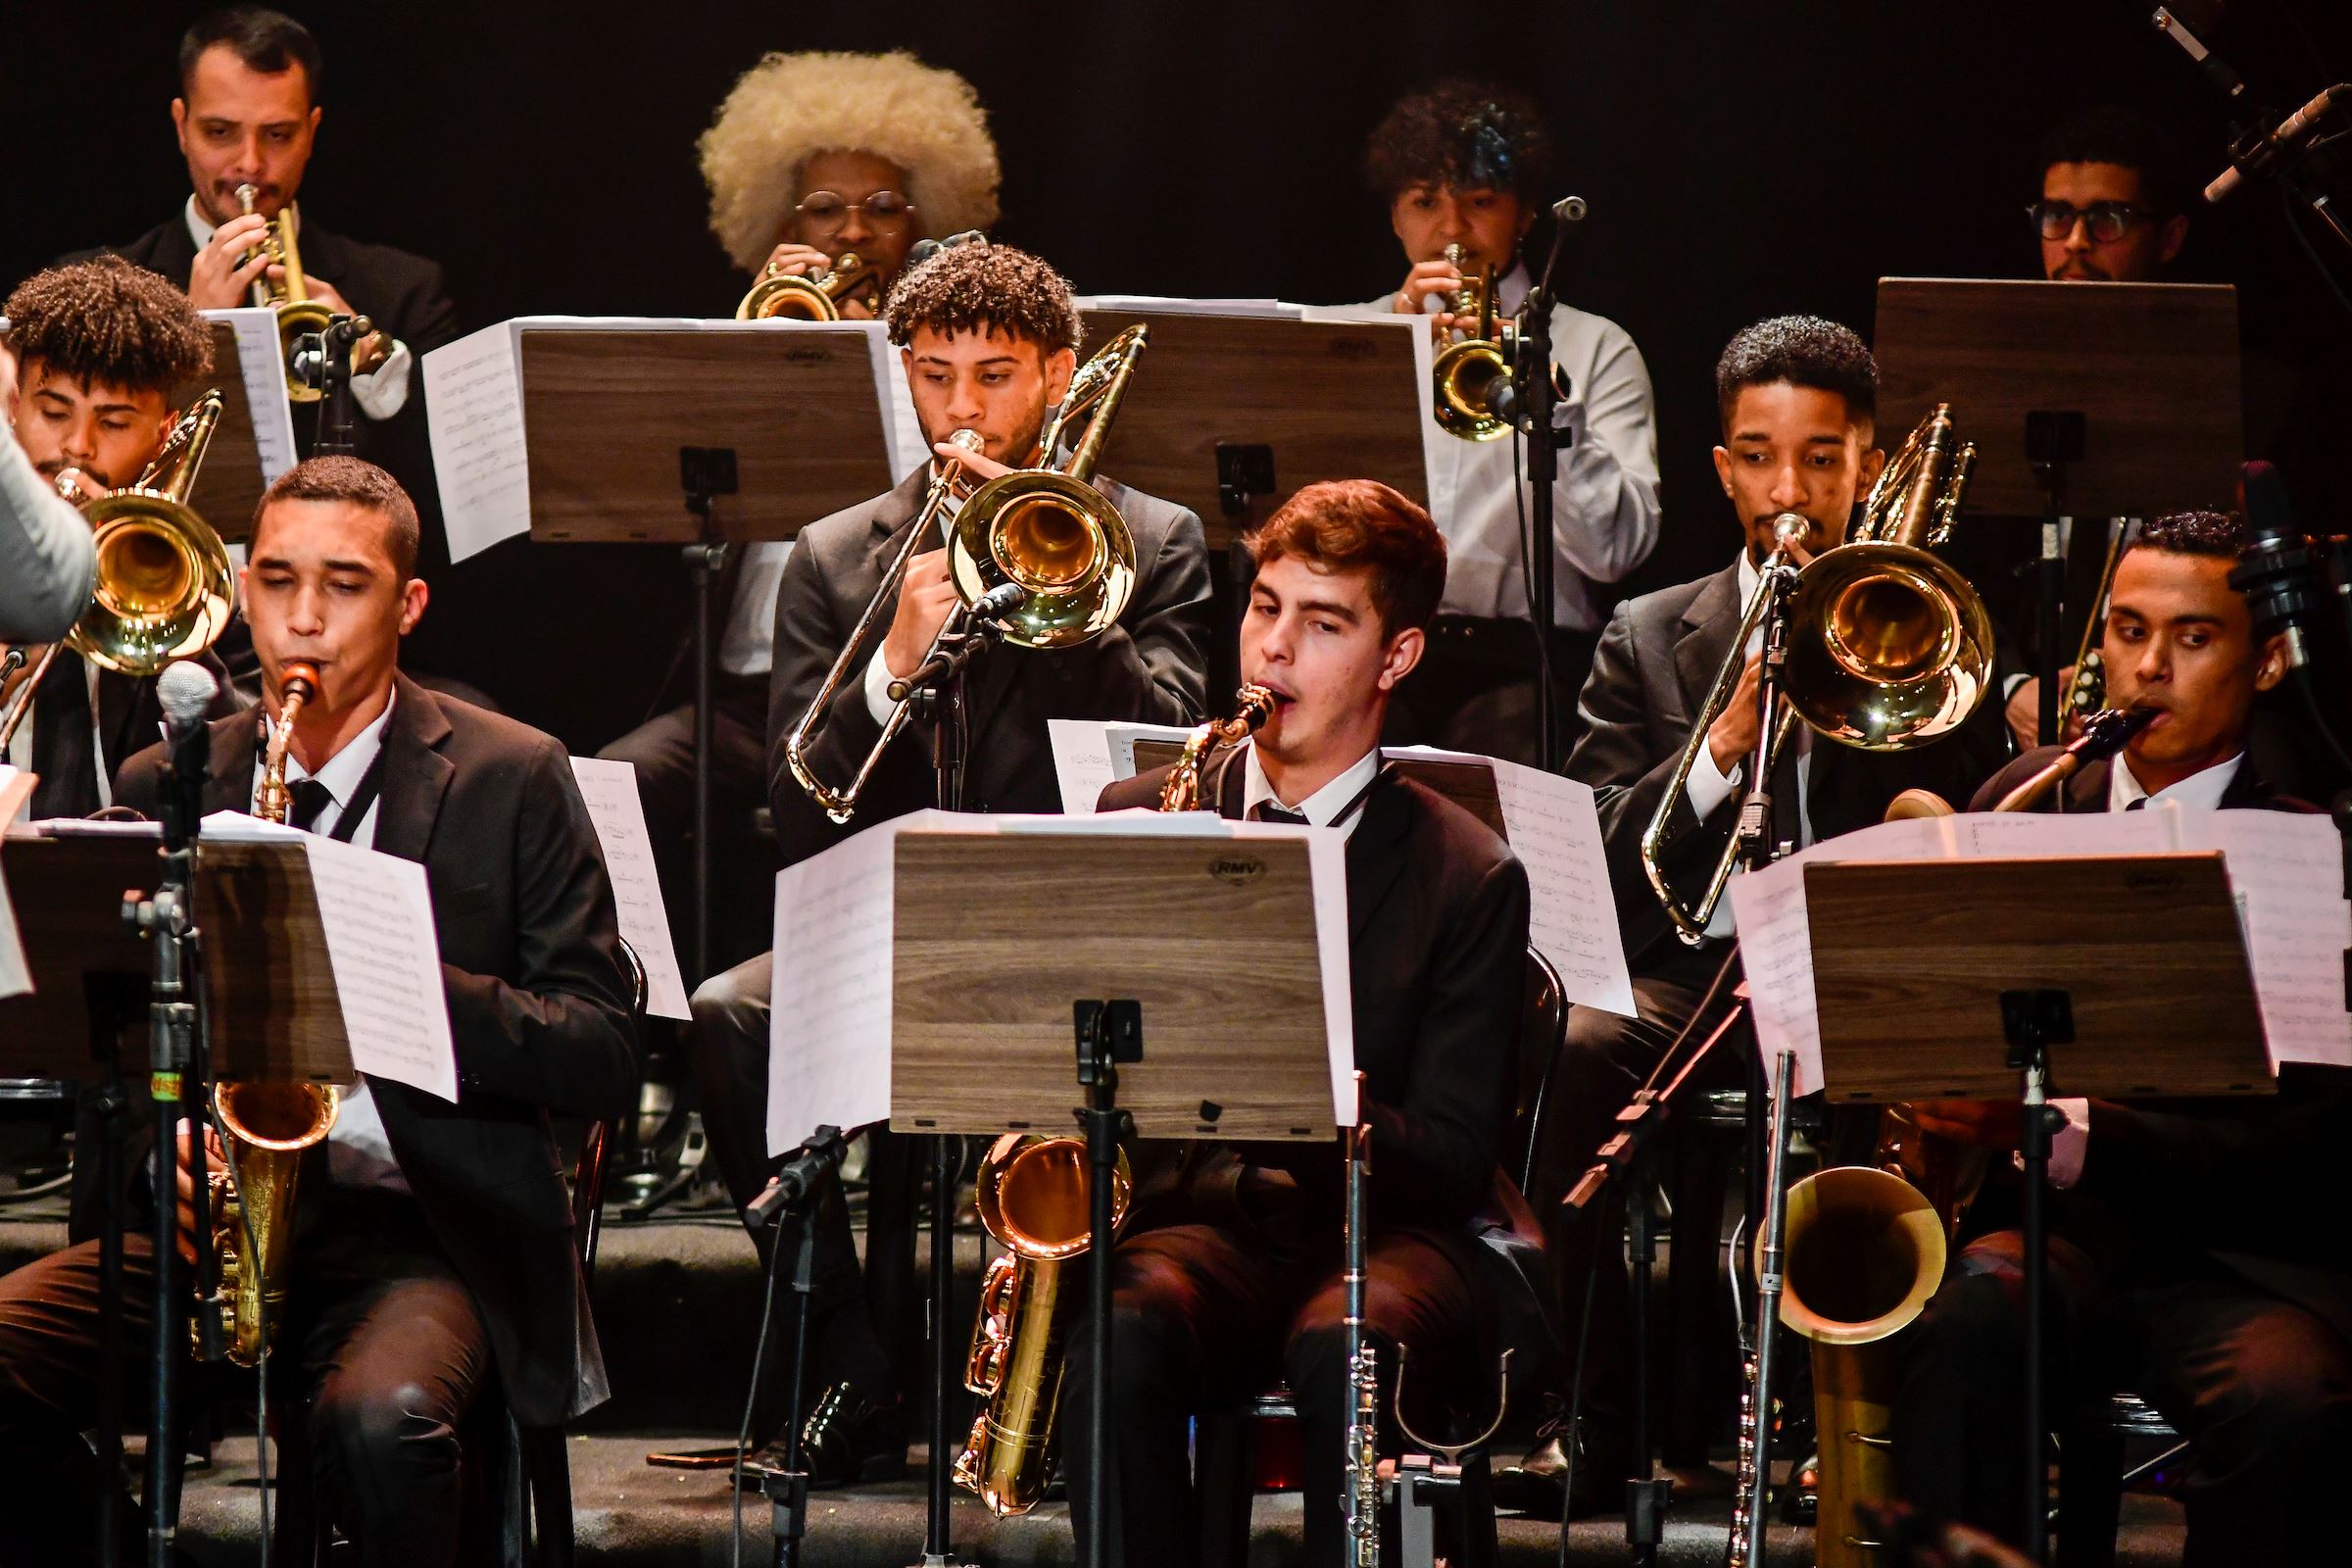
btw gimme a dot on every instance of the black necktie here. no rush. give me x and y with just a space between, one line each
2137 805
311 798
1269 811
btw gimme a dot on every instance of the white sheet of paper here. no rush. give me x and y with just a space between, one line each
16 976
609 790
2287 868
1082 762
474 416
376 912
1170 305
262 365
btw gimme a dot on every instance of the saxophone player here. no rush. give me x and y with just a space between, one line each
811 157
2197 1252
1231 1277
437 1255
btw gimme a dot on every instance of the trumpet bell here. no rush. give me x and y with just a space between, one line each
296 320
785 296
1889 647
164 585
1057 538
1462 379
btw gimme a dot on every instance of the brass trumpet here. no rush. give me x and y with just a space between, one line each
1466 372
813 298
298 314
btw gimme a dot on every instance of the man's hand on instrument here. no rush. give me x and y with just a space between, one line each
79 488
214 1160
1992 1123
801 260
925 601
1426 278
978 466
1732 738
225 271
368 352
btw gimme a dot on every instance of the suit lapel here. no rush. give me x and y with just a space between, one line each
1708 626
235 746
416 773
1375 851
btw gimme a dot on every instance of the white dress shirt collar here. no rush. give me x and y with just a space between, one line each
2202 790
342 772
1322 807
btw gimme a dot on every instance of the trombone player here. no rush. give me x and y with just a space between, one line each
987 336
1797 400
102 349
811 157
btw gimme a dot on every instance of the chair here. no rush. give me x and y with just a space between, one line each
528 1470
1225 1442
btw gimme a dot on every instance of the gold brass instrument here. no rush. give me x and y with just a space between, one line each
264 1127
2086 693
165 586
840 804
1033 1197
298 314
1889 648
1182 790
819 297
1466 370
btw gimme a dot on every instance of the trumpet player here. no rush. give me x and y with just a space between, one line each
2180 1267
1798 401
436 1252
104 350
1228 1276
811 158
1468 164
987 336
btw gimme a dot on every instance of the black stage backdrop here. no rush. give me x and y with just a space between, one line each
1740 159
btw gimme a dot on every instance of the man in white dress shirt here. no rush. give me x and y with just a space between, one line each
1468 163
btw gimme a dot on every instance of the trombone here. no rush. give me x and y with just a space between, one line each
165 588
1044 533
298 314
1889 646
818 298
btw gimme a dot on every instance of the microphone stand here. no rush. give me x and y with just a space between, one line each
795 1193
330 372
1528 405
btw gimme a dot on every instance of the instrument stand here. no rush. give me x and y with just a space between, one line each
705 474
2054 438
787 1490
1108 1034
2032 1021
1426 1481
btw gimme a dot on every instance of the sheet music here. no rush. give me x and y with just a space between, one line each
1170 305
2287 868
16 975
609 790
262 365
1082 762
473 415
828 1063
376 913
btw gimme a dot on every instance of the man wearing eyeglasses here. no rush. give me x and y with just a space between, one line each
810 158
2113 207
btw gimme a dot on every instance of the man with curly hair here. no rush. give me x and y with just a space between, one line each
987 336
812 156
105 350
1469 163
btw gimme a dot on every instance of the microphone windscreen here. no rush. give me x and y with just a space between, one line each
2269 514
185 691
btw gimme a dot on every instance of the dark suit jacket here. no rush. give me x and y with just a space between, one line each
405 295
1149 667
130 719
1656 662
538 1007
1436 960
2257 1185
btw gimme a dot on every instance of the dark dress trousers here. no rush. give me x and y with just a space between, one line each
2201 1260
1149 667
413 1300
1219 1290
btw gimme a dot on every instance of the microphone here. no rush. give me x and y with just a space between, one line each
2267 153
2278 574
185 691
999 601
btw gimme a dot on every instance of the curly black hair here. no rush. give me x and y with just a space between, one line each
1804 351
1461 134
978 286
2111 133
2221 535
109 322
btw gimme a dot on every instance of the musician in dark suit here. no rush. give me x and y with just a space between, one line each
2199 1255
1798 397
103 346
1229 1276
248 113
434 1249
988 337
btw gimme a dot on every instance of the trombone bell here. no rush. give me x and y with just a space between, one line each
164 583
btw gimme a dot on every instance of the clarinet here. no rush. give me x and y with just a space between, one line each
1362 1500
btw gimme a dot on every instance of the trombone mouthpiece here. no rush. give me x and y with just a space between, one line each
1791 528
969 440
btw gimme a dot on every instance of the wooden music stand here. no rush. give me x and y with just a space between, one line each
1319 400
89 971
1911 960
275 1012
229 486
2148 370
607 411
